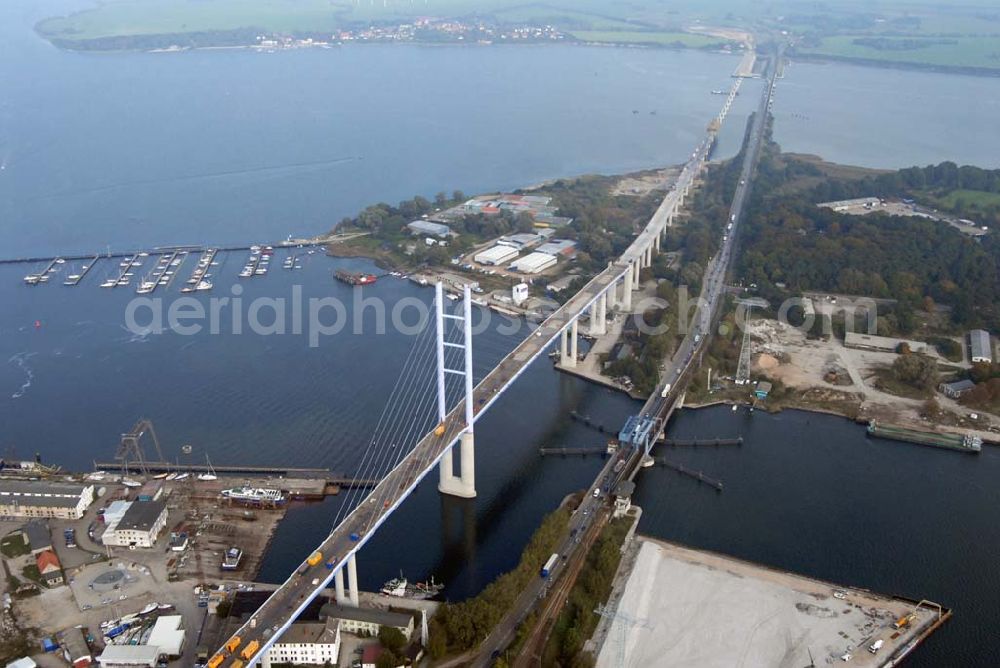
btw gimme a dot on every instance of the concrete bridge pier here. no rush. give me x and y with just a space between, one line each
598 312
352 581
446 471
338 587
626 300
574 341
464 485
636 266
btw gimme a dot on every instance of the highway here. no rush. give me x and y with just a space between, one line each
658 406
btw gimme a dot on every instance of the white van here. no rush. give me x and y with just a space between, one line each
876 646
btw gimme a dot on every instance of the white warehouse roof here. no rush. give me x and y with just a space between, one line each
981 350
533 263
167 635
129 655
427 227
496 255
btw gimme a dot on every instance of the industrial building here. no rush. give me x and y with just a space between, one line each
533 263
38 535
522 240
980 349
499 254
168 635
306 643
519 293
36 498
956 389
129 656
843 206
139 526
427 227
883 344
561 247
74 648
360 621
25 662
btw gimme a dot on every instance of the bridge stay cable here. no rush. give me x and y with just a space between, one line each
404 381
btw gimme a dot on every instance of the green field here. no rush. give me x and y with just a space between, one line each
13 546
971 198
644 37
979 52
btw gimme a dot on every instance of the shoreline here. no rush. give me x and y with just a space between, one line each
992 441
742 581
81 44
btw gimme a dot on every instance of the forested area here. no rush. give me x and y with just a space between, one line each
603 224
788 240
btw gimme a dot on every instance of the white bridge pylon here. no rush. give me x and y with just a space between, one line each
464 484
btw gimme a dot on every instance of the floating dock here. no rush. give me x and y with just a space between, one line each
43 275
164 272
74 279
960 442
125 275
199 277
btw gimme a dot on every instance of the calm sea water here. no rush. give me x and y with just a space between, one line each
134 150
812 494
887 118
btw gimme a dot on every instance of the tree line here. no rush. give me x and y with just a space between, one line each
790 245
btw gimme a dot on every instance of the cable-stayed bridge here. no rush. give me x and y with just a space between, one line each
435 405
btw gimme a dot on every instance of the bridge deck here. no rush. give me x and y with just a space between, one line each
292 597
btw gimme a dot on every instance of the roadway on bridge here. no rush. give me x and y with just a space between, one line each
303 585
659 406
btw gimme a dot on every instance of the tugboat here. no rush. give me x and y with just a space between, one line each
401 588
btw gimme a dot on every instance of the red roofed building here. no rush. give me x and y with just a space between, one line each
49 568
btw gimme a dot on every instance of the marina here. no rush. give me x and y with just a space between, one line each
199 277
256 264
43 276
125 273
163 273
74 279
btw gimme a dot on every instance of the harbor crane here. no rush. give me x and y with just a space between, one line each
130 447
